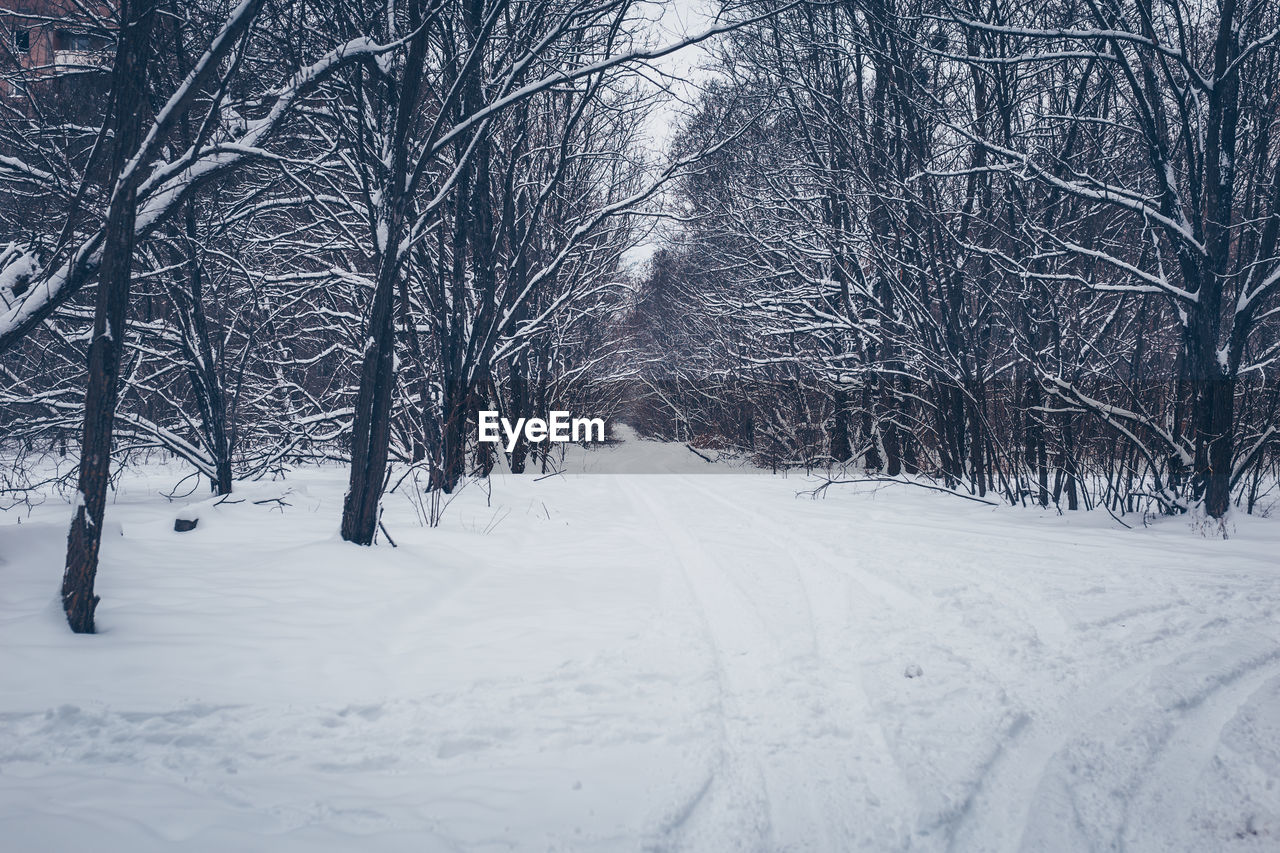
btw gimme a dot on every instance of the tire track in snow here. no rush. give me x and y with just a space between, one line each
1186 751
733 799
910 615
1029 780
997 814
850 775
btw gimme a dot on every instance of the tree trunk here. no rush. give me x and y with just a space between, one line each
977 457
85 537
840 450
453 436
202 369
371 427
1216 424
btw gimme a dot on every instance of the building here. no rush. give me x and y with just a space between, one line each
47 38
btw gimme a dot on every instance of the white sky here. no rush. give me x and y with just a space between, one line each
673 20
670 21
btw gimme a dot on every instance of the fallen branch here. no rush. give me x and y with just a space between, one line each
706 459
383 528
824 486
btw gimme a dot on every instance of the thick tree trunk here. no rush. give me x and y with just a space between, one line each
1035 458
1216 421
977 456
453 437
371 427
839 440
1214 442
112 301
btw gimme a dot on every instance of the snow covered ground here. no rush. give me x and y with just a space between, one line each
626 661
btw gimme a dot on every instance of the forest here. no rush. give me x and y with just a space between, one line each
1024 250
697 426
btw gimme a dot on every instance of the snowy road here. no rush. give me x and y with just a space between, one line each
626 662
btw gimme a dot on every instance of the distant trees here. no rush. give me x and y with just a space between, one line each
482 180
1025 247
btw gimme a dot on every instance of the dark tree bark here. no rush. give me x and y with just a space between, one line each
129 83
1216 421
840 449
371 427
202 368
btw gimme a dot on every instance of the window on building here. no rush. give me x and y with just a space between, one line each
75 41
22 40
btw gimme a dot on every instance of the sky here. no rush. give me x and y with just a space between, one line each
670 21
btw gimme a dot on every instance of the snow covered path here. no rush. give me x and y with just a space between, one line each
626 662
